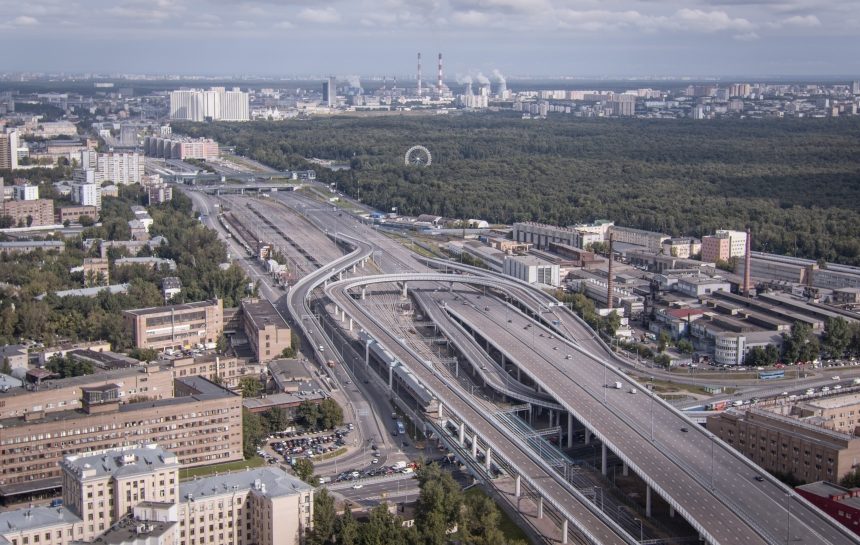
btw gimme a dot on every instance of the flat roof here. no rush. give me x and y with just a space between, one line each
32 243
823 489
277 400
262 313
129 530
35 517
120 462
834 402
111 375
174 308
202 385
276 481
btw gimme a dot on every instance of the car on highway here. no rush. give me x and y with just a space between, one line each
685 430
375 461
759 478
357 486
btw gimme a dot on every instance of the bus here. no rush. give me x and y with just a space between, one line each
771 375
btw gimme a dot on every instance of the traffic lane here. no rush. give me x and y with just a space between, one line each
681 487
683 443
510 451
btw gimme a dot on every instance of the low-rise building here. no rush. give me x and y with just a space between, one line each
72 214
96 271
842 504
176 326
35 213
683 248
532 269
171 286
787 445
27 246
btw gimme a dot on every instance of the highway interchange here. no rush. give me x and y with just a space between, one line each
713 487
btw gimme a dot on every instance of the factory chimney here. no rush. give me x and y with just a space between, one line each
439 80
747 261
419 74
610 281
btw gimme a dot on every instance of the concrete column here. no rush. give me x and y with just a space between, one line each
569 430
325 282
540 507
475 446
405 290
390 377
603 456
353 267
648 501
350 324
363 293
625 471
671 512
517 489
488 459
340 275
441 410
462 434
587 436
564 531
519 376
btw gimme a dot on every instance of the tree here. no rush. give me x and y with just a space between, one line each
324 518
481 522
304 469
382 528
439 505
250 386
86 221
800 344
331 414
253 432
663 341
837 337
308 414
144 354
346 528
6 368
611 323
685 346
277 418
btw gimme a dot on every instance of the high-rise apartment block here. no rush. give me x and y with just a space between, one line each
26 192
119 168
216 104
87 193
329 92
180 148
723 245
9 150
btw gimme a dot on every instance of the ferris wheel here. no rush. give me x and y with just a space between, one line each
418 156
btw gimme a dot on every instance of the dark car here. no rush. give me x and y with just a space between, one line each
759 478
685 430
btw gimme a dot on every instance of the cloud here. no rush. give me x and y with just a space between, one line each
802 20
710 21
322 16
503 6
284 25
244 24
25 20
746 37
470 18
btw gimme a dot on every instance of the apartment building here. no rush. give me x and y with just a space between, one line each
787 445
203 426
226 370
133 496
35 213
73 214
267 332
176 326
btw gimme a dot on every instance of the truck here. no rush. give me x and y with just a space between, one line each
324 480
398 466
617 386
330 363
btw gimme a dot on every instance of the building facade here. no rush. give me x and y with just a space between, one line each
267 332
9 150
201 428
533 270
176 326
72 214
37 213
715 249
787 445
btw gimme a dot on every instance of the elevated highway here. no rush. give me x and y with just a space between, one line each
703 479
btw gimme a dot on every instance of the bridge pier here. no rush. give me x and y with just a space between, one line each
569 430
405 293
564 530
587 435
475 447
462 434
366 353
603 458
517 489
350 324
540 507
488 459
671 512
363 294
441 410
353 267
625 471
648 501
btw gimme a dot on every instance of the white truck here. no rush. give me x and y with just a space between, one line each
617 386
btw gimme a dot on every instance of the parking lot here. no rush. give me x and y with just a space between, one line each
291 446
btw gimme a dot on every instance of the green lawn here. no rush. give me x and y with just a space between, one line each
508 527
205 471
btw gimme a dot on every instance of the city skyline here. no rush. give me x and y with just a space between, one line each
519 37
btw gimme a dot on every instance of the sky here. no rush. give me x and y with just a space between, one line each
575 38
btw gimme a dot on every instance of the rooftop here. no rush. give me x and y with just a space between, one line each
32 244
280 400
835 402
172 308
122 462
268 481
823 489
262 314
128 530
35 517
101 377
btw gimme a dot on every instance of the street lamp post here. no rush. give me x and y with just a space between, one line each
641 529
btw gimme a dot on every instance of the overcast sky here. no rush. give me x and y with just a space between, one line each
376 37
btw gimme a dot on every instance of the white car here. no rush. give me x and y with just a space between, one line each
357 486
375 461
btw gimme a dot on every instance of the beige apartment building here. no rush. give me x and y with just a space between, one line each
132 496
839 413
267 332
202 425
176 326
788 445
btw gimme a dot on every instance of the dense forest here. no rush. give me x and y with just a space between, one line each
794 182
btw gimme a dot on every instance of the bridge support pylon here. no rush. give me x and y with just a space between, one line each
405 293
540 507
569 430
564 530
625 471
462 434
488 459
648 501
517 488
475 447
603 458
363 294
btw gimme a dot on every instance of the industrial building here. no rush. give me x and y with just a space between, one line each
532 269
133 496
202 427
842 504
176 326
787 445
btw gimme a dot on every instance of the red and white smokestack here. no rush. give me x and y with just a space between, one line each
439 80
747 262
419 74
